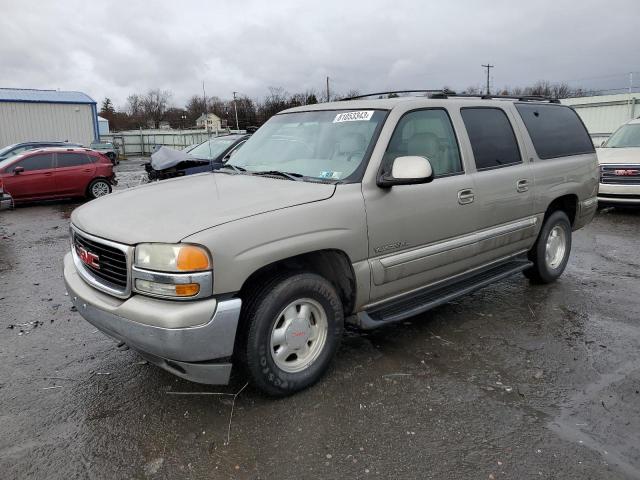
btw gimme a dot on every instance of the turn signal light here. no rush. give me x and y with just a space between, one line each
191 259
168 289
187 289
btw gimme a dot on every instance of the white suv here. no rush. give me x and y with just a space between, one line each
619 159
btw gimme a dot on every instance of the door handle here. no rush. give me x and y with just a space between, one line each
522 185
47 174
465 196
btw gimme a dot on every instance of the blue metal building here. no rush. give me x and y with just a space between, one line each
32 115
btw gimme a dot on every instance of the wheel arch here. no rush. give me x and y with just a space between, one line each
567 203
332 264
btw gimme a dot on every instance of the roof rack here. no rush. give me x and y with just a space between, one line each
442 94
394 92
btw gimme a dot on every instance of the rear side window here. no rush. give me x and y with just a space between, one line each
42 161
555 130
492 139
72 159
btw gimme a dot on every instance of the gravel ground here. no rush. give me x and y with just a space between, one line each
514 381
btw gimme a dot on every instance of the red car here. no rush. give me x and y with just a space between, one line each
51 173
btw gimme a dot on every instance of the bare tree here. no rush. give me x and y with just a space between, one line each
155 104
134 105
195 107
472 90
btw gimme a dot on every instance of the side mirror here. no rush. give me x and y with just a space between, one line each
407 171
18 170
603 142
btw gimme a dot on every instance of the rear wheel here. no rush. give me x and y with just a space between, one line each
98 188
293 326
550 253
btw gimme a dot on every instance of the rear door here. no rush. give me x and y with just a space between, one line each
503 184
73 172
35 181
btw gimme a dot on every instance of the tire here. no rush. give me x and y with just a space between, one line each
285 350
551 251
98 188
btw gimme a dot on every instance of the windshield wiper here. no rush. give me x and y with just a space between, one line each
289 175
235 168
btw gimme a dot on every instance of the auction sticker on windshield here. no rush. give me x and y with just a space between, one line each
362 115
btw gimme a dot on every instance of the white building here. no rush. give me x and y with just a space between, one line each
41 115
210 121
603 114
103 126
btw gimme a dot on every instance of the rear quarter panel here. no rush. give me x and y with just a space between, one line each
555 177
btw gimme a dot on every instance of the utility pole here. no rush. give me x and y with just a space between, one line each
204 99
629 98
328 96
235 107
488 67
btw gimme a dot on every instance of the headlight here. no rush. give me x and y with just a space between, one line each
179 271
166 257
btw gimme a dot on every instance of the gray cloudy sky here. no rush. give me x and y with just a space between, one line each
114 48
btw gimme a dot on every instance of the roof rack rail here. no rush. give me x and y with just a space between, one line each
521 98
442 94
394 92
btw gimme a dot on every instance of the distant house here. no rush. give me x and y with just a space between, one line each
209 121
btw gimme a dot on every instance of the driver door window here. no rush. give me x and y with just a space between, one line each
36 162
429 134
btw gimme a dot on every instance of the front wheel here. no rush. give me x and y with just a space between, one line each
550 253
99 188
293 327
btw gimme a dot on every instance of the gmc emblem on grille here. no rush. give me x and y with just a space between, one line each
88 257
626 173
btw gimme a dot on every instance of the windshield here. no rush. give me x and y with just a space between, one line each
626 136
5 150
328 144
6 161
211 149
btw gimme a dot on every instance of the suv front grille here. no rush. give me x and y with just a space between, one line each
623 174
102 263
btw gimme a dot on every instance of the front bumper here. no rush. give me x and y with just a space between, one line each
199 352
613 194
5 201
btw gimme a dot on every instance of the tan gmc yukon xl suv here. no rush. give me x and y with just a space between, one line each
362 211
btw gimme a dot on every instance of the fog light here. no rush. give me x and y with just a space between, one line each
168 289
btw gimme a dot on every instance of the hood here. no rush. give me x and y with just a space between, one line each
618 155
171 210
166 157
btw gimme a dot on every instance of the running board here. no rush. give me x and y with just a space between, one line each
431 297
